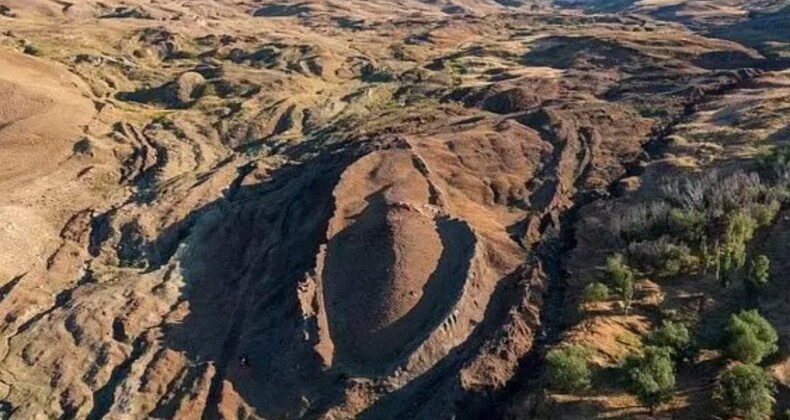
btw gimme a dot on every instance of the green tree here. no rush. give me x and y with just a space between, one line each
764 214
622 277
595 292
746 391
675 337
651 376
689 225
568 368
739 231
676 259
749 337
760 271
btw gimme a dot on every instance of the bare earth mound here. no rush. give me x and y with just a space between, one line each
360 209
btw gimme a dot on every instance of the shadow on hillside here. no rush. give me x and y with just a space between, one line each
759 28
585 52
241 258
599 6
358 284
444 378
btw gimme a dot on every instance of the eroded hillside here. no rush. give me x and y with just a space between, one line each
373 209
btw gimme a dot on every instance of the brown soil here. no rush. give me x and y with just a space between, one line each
342 209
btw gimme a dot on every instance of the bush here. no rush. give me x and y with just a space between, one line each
568 370
637 222
779 156
712 193
32 50
675 337
749 337
651 376
676 259
622 277
662 257
689 225
739 230
776 163
746 391
371 74
595 292
760 271
764 214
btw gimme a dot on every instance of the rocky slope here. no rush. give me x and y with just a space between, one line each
333 209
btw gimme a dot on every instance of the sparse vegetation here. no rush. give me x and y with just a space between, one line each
749 337
372 74
458 68
33 50
777 159
622 277
410 193
738 230
698 226
662 257
760 271
595 292
746 391
651 376
568 369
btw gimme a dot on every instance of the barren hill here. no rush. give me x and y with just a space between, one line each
369 209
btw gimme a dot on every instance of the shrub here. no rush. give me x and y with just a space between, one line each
746 391
749 337
690 225
637 222
371 74
568 370
675 337
776 164
651 376
740 230
32 50
595 292
777 157
622 277
676 259
764 214
712 193
736 230
760 271
662 257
